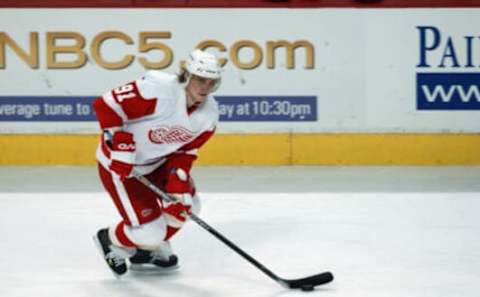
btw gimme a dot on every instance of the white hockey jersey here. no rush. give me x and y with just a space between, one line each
154 110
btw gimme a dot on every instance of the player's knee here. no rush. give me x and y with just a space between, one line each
149 235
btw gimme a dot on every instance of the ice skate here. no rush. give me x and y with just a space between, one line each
112 257
159 260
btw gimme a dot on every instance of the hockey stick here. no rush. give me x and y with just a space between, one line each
306 283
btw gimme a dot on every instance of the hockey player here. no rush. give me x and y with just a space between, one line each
154 126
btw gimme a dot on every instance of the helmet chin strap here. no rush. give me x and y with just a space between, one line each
185 84
188 75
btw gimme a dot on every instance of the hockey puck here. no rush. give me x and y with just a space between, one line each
307 288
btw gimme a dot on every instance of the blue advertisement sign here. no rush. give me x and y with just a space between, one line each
46 109
448 91
268 108
232 108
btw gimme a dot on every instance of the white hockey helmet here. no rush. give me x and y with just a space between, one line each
203 64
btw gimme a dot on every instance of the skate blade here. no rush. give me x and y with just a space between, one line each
152 269
100 249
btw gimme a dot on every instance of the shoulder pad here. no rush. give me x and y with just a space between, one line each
159 85
159 77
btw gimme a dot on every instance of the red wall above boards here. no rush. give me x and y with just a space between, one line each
239 3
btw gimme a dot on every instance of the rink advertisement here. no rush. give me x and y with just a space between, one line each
268 108
448 65
356 71
231 108
317 86
45 109
448 91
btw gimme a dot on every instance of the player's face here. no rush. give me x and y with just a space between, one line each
197 90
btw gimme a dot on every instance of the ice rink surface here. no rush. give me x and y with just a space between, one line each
382 231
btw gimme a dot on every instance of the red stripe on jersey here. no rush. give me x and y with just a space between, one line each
180 159
198 142
106 116
132 102
170 232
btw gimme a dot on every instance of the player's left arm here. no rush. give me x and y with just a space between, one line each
179 181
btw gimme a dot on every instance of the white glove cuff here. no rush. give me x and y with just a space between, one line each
185 199
125 157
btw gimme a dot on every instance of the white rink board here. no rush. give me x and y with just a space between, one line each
364 74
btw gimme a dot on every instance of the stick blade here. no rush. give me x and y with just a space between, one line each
313 281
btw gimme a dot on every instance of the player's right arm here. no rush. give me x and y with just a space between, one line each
114 110
122 104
